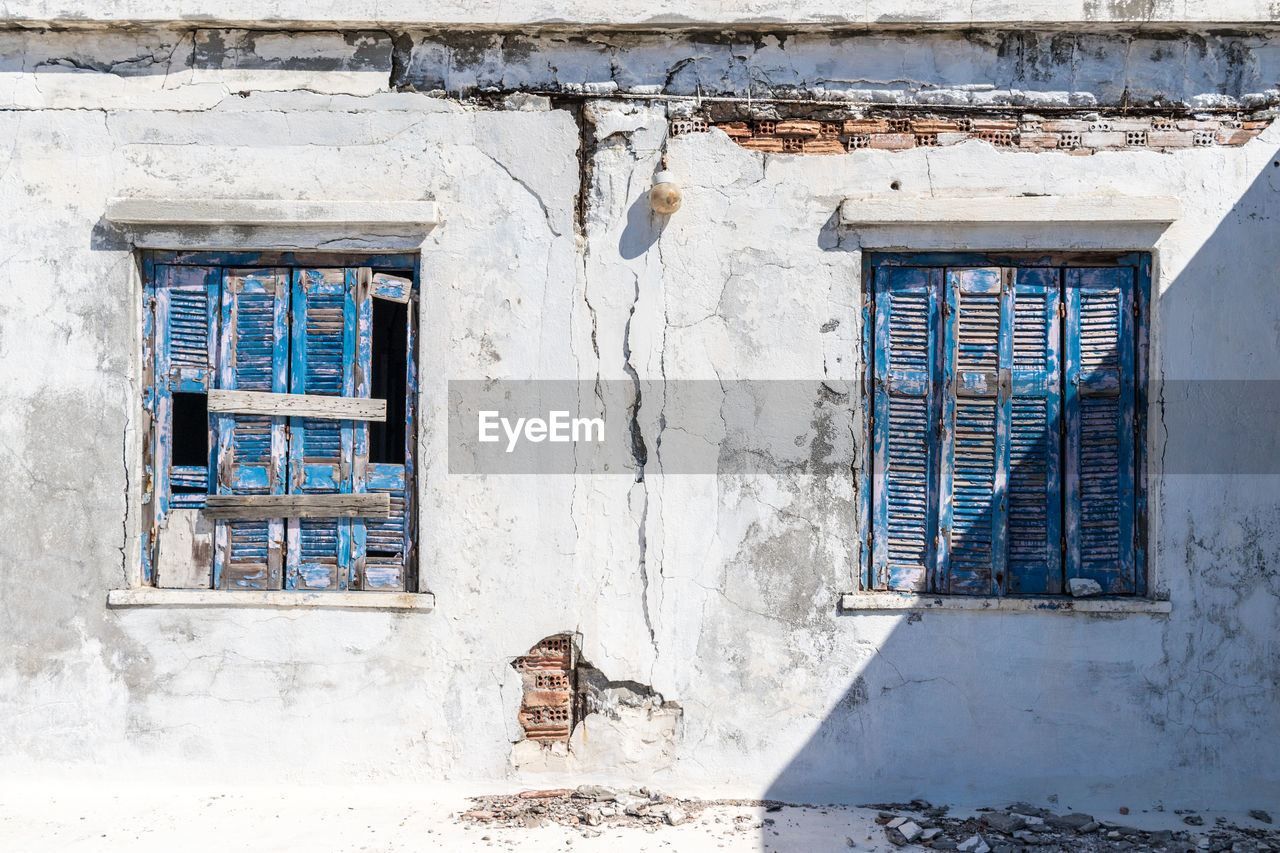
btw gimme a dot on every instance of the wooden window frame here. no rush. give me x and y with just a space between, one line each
1140 261
156 482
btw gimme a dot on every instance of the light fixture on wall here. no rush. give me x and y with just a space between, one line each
665 197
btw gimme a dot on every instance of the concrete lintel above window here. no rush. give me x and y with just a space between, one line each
888 602
365 600
1045 209
168 212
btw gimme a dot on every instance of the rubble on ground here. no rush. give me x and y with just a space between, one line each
586 806
918 825
1023 828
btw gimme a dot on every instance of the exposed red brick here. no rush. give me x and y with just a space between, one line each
1235 137
1032 133
546 708
1038 140
866 125
893 141
762 143
798 127
1066 126
546 794
989 125
825 145
1168 139
735 129
933 125
1001 138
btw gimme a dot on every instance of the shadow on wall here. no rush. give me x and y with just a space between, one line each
987 709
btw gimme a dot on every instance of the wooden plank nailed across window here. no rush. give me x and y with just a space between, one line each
261 507
297 405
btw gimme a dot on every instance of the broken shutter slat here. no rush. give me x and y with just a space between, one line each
905 443
317 507
1034 494
297 405
975 439
251 448
1100 427
392 287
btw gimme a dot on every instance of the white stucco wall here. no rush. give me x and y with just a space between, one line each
720 593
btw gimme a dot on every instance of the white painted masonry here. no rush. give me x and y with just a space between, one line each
721 593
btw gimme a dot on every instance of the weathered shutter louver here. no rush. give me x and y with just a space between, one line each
972 515
330 356
186 316
252 356
1100 427
1035 484
905 441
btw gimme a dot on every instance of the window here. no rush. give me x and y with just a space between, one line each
281 391
1006 409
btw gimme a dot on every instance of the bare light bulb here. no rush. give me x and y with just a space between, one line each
665 197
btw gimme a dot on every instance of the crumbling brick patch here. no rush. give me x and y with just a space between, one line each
560 688
829 133
548 675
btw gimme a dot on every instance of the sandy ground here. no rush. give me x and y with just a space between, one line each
40 817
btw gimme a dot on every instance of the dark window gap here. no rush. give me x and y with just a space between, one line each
390 375
190 430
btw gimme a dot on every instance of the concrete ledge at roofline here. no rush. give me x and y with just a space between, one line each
926 210
653 14
870 602
153 597
212 212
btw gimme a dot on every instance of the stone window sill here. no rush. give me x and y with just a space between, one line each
152 597
884 602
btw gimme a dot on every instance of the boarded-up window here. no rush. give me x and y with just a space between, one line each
1006 428
257 368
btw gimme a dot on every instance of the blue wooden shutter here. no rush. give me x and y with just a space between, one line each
1035 438
252 356
330 356
389 541
973 514
1100 427
185 321
905 441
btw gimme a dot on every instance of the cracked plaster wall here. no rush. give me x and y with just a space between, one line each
717 592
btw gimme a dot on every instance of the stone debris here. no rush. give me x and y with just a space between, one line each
586 806
1084 588
918 825
1023 828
